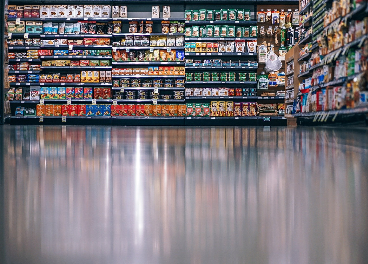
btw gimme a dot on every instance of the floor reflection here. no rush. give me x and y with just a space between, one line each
185 195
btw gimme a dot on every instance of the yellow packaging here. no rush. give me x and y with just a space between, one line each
83 76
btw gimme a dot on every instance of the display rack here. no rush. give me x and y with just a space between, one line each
110 93
327 93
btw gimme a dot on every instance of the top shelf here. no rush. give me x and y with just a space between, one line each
304 9
60 19
222 22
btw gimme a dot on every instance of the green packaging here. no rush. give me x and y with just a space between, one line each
246 32
202 31
189 76
252 77
188 32
231 31
210 15
217 14
209 31
188 15
232 14
216 31
195 15
239 32
246 14
215 76
223 76
240 15
242 76
202 14
223 32
253 31
224 14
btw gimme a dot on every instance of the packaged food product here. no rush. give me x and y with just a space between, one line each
224 14
188 15
202 14
232 14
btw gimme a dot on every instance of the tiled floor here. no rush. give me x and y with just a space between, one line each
177 195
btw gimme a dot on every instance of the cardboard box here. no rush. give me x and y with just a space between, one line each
88 10
45 11
123 11
97 11
155 11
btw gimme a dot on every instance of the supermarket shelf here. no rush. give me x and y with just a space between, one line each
315 66
305 56
305 40
148 76
222 22
24 72
317 15
21 35
32 60
321 3
96 19
60 84
218 82
318 31
149 88
363 108
148 47
304 74
315 46
220 54
220 68
24 84
352 77
146 34
289 73
318 22
77 57
75 36
359 13
100 101
237 120
77 47
234 97
289 87
24 48
148 63
335 82
290 101
217 38
76 68
304 9
307 22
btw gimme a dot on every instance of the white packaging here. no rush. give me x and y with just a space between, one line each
207 92
63 11
198 91
71 11
88 11
96 11
54 11
44 11
115 11
106 11
155 11
166 12
123 11
78 11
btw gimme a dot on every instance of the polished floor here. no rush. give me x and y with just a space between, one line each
174 195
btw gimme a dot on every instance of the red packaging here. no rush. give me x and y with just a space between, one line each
238 92
98 93
106 93
64 110
123 111
20 10
73 110
139 109
78 93
57 110
27 12
36 11
81 109
114 110
131 109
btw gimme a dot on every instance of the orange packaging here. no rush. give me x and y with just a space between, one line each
173 110
81 110
156 110
124 110
161 70
49 110
57 110
131 109
182 110
165 110
171 71
64 110
40 110
115 110
148 110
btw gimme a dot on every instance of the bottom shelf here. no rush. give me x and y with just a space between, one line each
151 121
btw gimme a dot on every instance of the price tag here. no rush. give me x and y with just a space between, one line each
114 102
28 83
251 54
155 91
236 22
236 117
41 119
17 21
209 54
63 119
69 101
219 53
56 57
68 18
42 101
168 49
121 90
93 101
56 44
26 35
127 50
189 117
42 84
62 83
70 47
16 71
114 49
211 22
213 117
10 35
85 18
22 102
239 54
186 21
149 19
151 49
154 101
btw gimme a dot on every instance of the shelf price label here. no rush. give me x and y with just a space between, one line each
151 49
93 101
10 35
69 101
213 117
114 102
154 101
42 101
26 35
127 50
168 49
17 21
70 47
122 90
63 119
41 119
155 90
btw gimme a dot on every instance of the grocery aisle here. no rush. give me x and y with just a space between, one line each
184 195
